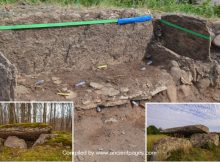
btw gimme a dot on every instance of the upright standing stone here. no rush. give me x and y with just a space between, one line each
184 43
7 79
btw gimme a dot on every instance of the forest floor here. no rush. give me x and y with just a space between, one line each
50 151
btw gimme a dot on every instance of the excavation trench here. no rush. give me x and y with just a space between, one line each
115 64
108 66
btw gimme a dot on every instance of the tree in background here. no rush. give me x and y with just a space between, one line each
153 130
58 115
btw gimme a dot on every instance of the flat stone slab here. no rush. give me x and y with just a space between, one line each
186 130
24 132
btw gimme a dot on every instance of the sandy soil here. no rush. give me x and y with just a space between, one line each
124 133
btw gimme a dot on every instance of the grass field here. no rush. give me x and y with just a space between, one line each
195 154
206 9
151 139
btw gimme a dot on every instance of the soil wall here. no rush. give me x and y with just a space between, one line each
82 47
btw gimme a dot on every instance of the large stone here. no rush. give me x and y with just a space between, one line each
199 140
186 130
165 146
191 46
216 41
27 133
43 139
7 79
15 142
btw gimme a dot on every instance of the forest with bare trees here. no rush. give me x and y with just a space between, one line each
57 115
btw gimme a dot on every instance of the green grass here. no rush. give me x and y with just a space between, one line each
49 151
206 9
119 3
25 125
196 154
63 137
211 153
38 153
151 139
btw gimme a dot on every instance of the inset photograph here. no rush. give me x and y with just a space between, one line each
112 134
40 131
183 132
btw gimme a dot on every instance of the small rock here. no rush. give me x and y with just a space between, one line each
186 78
124 89
216 41
86 102
143 68
174 63
172 93
204 83
71 96
43 139
111 120
186 90
96 85
56 80
15 142
216 95
123 132
65 89
158 89
108 92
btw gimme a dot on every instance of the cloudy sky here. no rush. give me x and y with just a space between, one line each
174 115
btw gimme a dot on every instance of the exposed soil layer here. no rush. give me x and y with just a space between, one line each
118 129
51 63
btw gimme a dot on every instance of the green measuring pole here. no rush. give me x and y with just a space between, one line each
62 24
186 30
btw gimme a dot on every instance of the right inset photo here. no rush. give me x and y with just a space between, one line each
182 132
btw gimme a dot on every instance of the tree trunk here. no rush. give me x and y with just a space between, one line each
45 113
11 111
22 112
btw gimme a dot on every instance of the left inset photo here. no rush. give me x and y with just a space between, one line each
36 131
